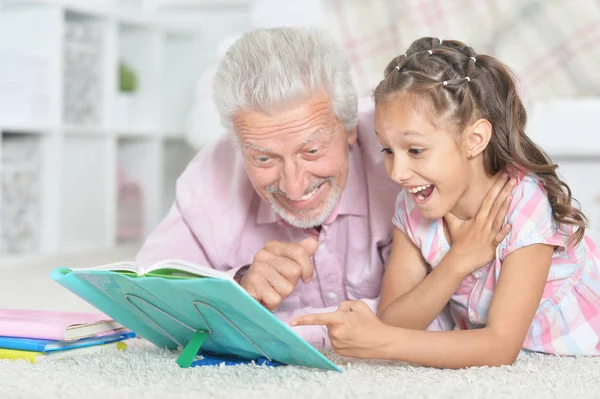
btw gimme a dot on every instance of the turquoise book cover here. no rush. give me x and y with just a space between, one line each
168 311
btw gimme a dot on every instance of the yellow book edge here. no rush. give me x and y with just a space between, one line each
36 357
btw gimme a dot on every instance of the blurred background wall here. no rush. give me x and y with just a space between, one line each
103 103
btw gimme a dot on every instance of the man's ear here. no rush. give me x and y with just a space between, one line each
352 136
477 136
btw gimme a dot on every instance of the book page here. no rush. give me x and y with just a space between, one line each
186 269
117 267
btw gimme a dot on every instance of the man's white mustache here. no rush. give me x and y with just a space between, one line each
274 189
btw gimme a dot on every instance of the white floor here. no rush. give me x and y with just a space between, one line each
26 284
144 371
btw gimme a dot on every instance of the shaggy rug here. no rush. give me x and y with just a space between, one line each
144 371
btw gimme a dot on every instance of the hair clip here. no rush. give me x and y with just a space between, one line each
474 60
440 41
404 54
468 78
430 52
397 67
445 83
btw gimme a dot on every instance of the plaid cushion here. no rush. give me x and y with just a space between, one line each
553 46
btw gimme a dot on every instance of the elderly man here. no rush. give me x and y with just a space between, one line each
295 203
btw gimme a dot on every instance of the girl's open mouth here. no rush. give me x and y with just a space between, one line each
422 193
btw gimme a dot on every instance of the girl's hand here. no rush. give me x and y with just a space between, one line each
354 330
475 240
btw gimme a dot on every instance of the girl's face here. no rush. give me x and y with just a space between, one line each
427 160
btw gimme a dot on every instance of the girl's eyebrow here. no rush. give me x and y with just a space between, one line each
408 133
412 133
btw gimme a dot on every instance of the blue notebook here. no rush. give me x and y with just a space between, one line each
47 345
170 302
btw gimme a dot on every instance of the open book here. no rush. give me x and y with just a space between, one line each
176 268
176 304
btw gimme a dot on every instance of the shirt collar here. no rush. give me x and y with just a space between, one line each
353 200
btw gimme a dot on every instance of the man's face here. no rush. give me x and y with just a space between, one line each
297 159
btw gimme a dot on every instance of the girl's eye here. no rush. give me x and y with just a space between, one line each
415 151
388 151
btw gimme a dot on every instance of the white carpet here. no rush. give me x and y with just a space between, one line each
145 371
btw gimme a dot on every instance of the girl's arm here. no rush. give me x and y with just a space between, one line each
516 299
356 332
412 299
409 297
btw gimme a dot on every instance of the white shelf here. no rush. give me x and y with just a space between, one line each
72 130
194 4
83 148
27 129
150 133
116 12
84 131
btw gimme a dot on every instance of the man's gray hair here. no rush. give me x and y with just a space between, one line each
268 69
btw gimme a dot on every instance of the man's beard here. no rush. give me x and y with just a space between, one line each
294 220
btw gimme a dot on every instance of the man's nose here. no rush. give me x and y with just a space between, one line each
293 181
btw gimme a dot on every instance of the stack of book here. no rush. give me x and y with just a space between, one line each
36 335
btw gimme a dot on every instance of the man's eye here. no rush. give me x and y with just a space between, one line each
415 151
388 151
313 151
263 159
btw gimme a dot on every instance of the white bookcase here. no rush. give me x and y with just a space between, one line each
67 152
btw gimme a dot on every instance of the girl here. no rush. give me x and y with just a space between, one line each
451 125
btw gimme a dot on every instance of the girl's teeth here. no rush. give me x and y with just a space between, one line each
420 188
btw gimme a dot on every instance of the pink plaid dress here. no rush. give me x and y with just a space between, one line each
567 322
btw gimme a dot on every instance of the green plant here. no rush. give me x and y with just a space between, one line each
127 78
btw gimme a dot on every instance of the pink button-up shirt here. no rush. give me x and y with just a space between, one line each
217 219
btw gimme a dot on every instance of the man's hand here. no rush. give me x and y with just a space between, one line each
476 239
276 269
354 330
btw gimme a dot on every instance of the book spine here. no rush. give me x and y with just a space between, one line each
32 329
22 346
13 354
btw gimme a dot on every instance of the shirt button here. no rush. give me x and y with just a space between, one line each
471 314
477 274
332 295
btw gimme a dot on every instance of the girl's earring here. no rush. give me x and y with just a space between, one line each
470 156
